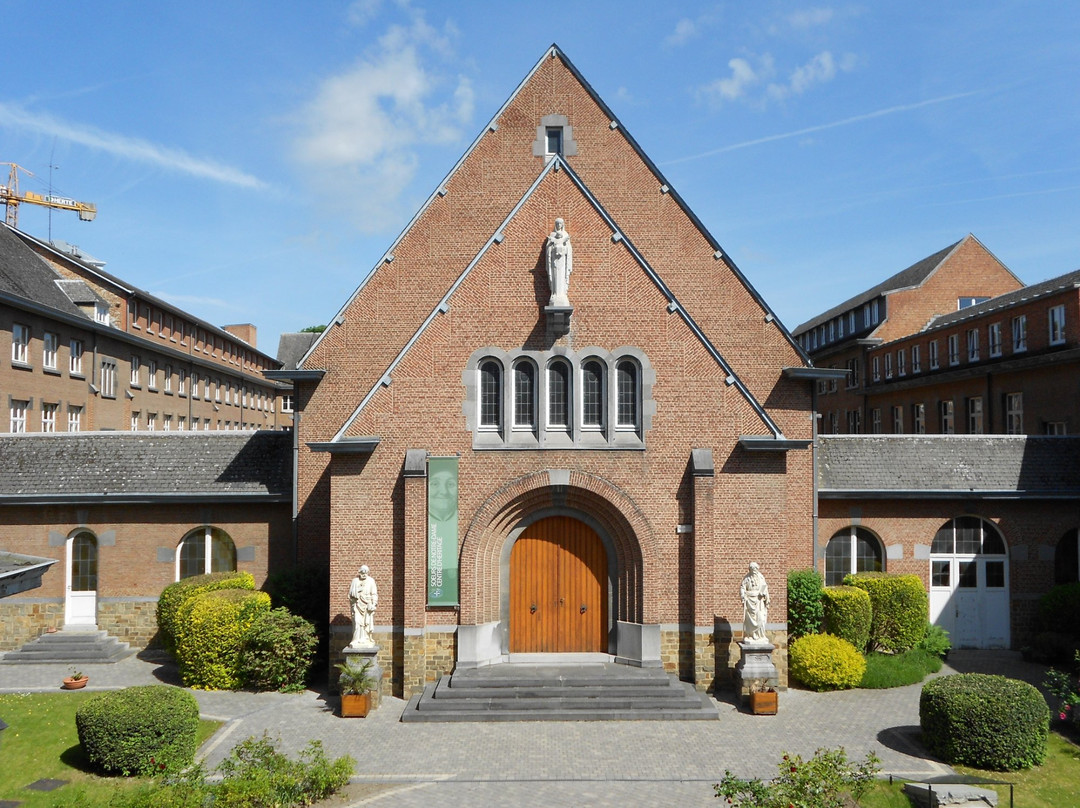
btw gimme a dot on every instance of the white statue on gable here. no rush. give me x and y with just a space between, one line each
755 597
560 263
363 597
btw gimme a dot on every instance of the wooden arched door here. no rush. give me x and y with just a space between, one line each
558 589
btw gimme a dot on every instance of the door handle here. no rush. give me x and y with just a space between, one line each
532 609
584 608
562 601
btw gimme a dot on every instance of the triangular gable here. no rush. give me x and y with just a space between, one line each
555 52
675 306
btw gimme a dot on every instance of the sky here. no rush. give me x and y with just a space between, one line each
252 161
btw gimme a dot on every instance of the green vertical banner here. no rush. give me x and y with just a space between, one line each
442 551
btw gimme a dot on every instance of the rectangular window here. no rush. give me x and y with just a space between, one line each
933 354
553 140
217 392
101 313
875 421
975 415
592 396
286 402
48 417
853 373
918 419
181 383
151 374
75 352
875 312
854 421
50 346
151 421
20 344
166 423
558 395
954 349
18 415
1057 325
832 330
901 363
1019 333
994 338
973 345
1014 413
74 419
888 366
108 378
168 378
916 359
206 387
1055 428
170 327
135 421
181 423
136 365
875 364
840 327
851 322
948 426
898 420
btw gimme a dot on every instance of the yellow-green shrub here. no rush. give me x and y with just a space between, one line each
173 596
848 614
900 607
825 662
210 631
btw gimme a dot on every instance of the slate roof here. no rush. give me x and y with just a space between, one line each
293 346
140 466
948 466
1070 280
24 274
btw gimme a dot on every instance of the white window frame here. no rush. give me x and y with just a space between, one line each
108 378
932 349
74 419
75 357
181 382
151 422
101 313
994 339
135 416
1057 324
1014 413
18 415
168 378
1019 333
136 367
918 418
50 348
947 414
973 344
151 374
166 422
901 362
953 344
888 365
48 416
876 365
916 359
898 419
975 423
20 344
875 421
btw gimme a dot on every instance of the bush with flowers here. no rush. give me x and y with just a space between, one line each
1065 688
824 781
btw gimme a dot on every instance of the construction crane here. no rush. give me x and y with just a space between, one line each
12 199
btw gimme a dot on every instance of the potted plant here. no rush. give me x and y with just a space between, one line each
76 681
355 683
763 698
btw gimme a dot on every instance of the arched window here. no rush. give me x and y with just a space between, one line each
84 562
967 535
628 391
490 395
853 549
524 395
1067 559
559 394
592 395
205 549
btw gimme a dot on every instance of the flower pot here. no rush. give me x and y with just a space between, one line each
354 706
75 684
764 703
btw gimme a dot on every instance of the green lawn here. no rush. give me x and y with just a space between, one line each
41 743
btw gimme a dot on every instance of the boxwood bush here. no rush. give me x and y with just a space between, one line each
847 614
985 721
1059 611
900 609
804 603
825 662
174 595
139 730
210 630
276 653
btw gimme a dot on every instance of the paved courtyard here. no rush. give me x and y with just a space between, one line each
553 764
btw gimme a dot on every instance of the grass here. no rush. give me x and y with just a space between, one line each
897 670
41 743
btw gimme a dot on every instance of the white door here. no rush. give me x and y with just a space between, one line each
80 602
969 590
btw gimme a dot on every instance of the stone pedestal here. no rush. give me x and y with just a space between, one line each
357 657
756 665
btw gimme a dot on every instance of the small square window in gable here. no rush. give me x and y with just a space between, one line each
554 135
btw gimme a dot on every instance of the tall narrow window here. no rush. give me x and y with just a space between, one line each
629 395
49 347
75 352
18 415
916 359
933 351
553 140
108 378
592 395
898 420
1014 414
1057 325
48 417
994 338
975 415
20 340
524 395
84 563
559 394
1019 333
918 419
973 345
490 395
954 349
947 418
74 418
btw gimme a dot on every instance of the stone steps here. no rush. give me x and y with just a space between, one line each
70 646
592 692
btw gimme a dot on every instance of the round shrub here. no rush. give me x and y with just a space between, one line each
139 730
825 662
173 596
210 630
804 602
900 608
847 614
277 652
1059 611
985 721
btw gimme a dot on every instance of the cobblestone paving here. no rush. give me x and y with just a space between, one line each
557 763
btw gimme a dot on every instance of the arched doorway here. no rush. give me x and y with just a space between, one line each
969 583
558 589
80 596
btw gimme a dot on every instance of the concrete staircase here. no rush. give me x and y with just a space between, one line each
71 646
601 691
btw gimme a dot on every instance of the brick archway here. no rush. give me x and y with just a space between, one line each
614 513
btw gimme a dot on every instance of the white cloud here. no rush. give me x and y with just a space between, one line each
685 30
361 12
129 148
743 77
809 17
363 127
821 69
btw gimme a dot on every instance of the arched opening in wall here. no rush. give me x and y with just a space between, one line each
203 550
80 597
969 583
1067 558
853 549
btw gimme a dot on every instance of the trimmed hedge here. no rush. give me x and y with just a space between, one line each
173 596
211 628
804 603
277 652
985 721
139 730
1059 611
825 662
900 608
848 614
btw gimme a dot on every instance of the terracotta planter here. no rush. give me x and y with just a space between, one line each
764 703
354 706
75 684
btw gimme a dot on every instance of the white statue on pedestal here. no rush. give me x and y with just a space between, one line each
560 263
364 597
755 598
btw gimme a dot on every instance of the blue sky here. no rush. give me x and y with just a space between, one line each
251 161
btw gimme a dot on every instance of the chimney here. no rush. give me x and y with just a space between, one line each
244 332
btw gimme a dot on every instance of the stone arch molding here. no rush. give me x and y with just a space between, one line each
574 493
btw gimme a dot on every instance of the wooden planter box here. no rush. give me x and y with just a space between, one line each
354 706
764 703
